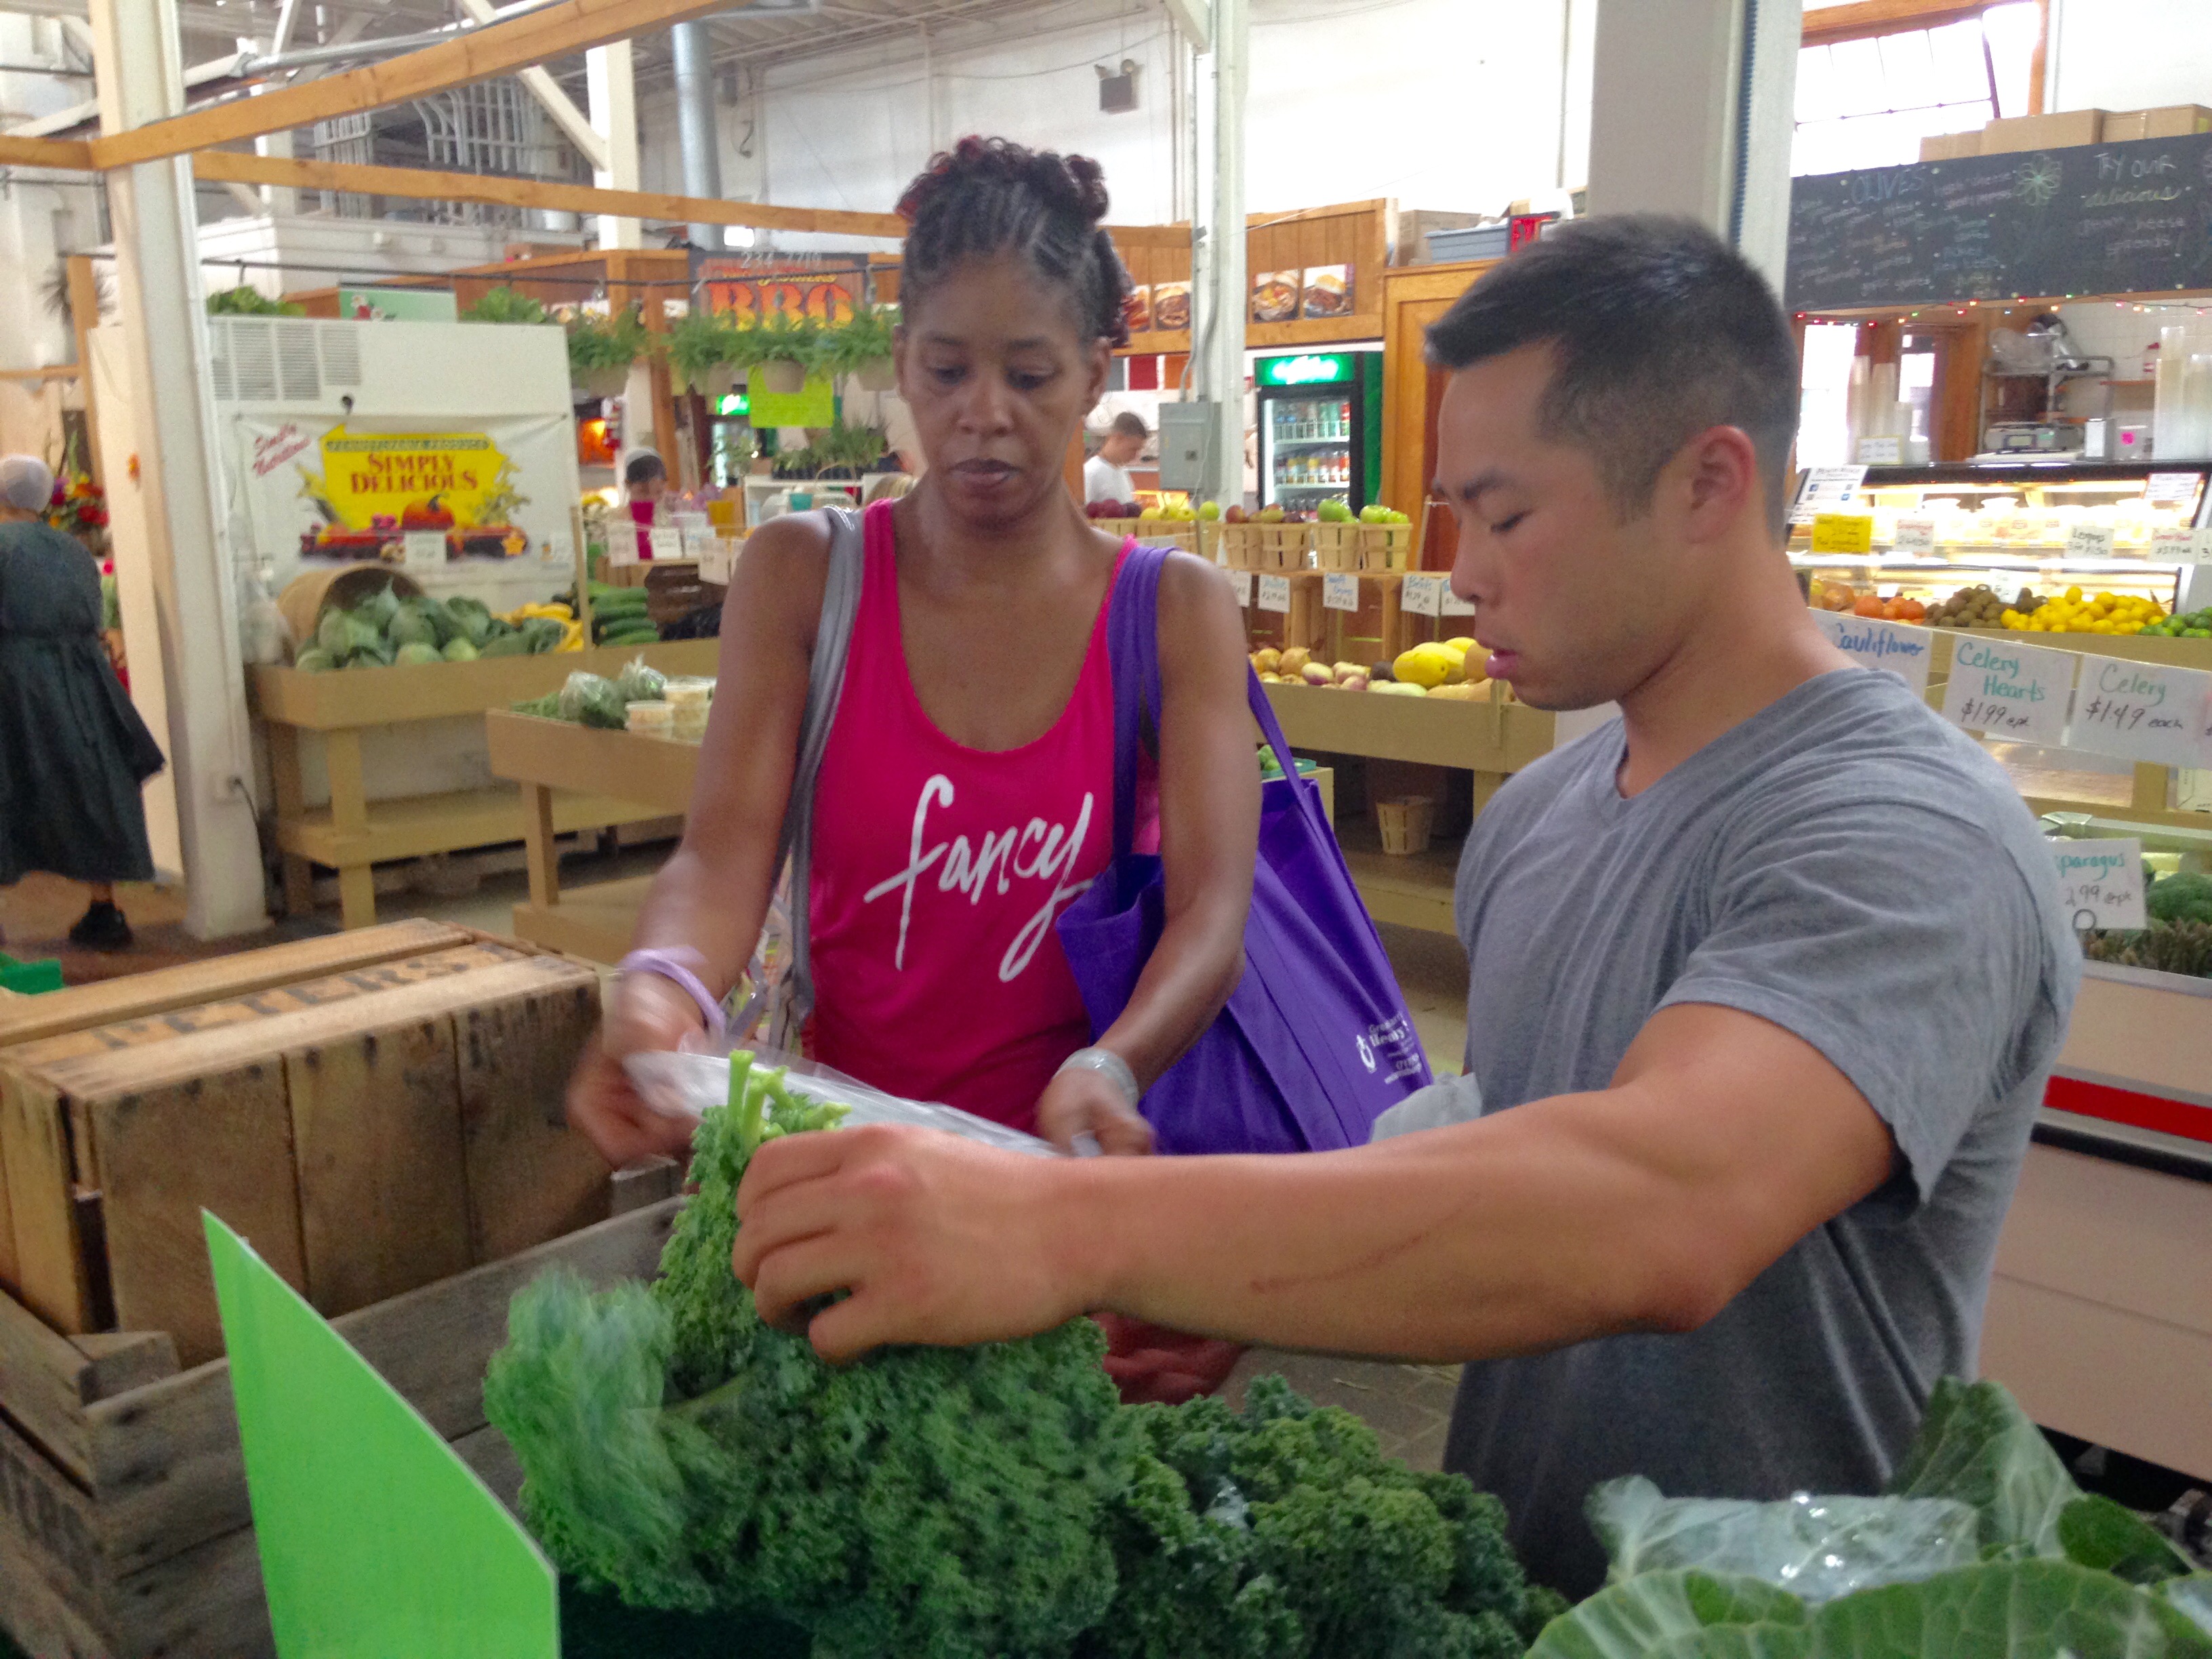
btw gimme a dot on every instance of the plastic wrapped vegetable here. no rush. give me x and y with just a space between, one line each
639 681
592 700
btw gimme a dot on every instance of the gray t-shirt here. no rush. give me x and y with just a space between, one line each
1850 867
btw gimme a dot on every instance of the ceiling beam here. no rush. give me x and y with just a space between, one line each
1195 19
422 184
479 54
70 155
538 81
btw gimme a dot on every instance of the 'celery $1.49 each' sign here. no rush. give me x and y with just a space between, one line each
2100 882
2022 692
2143 711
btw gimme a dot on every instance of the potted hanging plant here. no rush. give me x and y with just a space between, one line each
784 350
702 352
860 346
505 304
601 350
847 452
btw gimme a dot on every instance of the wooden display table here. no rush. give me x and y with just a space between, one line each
352 833
651 775
543 756
1491 738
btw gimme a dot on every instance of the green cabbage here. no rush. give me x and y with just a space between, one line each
412 625
415 655
314 661
458 649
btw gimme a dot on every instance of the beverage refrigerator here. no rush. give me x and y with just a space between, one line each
1320 416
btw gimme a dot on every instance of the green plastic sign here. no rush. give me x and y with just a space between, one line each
376 1539
814 405
1308 368
399 304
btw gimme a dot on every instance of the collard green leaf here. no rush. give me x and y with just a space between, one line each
2192 1597
1760 1641
1816 1548
2007 1610
2098 1532
1976 1445
1634 1618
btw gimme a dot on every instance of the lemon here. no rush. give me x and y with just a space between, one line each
1425 665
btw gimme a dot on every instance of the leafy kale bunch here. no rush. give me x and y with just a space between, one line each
1282 1531
1984 1548
928 1502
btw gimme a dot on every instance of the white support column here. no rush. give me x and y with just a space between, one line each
612 92
164 318
1220 288
1677 126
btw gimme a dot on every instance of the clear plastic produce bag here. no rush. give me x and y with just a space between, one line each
1816 1548
686 1085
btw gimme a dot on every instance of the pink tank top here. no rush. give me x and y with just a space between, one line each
939 870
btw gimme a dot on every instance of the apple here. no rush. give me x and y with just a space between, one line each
1209 511
1234 515
1271 515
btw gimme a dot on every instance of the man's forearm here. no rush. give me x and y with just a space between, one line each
1514 1234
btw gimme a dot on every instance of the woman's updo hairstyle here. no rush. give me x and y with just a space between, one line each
986 196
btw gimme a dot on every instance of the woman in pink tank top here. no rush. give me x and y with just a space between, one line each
966 794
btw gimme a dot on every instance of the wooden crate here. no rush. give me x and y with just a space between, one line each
1270 547
124 1529
1386 547
1337 546
370 1130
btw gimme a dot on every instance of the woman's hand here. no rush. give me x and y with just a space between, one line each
645 1012
1087 1102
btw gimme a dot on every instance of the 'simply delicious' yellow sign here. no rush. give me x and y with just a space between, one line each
413 480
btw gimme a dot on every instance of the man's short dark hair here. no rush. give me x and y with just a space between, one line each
1660 330
1130 424
643 467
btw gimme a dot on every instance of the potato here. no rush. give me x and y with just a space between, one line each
1294 662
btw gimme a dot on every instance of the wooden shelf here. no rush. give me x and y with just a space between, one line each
1481 737
1412 890
359 697
595 923
413 825
655 772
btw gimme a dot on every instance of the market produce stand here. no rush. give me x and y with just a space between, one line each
352 833
652 777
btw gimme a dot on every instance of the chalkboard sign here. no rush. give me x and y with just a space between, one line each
2097 219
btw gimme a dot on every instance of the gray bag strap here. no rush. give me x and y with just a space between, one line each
825 683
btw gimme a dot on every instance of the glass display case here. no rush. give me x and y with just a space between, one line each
2028 532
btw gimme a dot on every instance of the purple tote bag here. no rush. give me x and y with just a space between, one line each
1316 1043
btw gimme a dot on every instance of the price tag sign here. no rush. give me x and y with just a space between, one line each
2100 882
1895 647
1422 595
1275 595
1881 452
1843 532
2090 541
423 548
2023 692
1241 581
1339 592
1914 535
1453 605
2174 545
2170 489
2143 711
667 542
717 560
1823 489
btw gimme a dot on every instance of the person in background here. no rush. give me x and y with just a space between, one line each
1106 475
645 481
73 751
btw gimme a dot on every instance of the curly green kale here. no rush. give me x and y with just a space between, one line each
1282 1531
941 1503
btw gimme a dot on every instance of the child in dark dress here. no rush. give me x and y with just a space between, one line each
73 751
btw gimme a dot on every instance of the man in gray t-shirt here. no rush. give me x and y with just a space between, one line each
1767 977
1816 865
